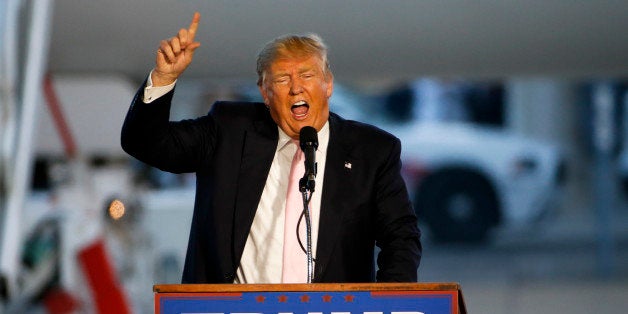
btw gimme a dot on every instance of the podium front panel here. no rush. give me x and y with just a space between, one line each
308 301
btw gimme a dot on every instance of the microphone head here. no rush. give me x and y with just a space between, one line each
308 137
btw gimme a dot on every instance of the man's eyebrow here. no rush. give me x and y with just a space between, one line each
280 74
287 74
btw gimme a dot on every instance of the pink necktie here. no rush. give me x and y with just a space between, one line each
294 259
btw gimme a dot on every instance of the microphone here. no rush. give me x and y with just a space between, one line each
308 140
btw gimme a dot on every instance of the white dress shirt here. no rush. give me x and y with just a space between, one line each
262 258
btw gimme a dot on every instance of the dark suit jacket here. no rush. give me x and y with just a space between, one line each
231 150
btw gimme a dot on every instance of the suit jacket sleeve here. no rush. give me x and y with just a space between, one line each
178 147
397 233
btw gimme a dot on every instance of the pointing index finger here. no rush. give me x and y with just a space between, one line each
194 25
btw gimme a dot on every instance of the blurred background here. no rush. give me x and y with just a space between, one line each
513 116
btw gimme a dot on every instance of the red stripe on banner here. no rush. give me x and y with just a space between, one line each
210 295
396 294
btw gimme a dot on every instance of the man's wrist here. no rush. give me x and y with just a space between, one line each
159 79
152 91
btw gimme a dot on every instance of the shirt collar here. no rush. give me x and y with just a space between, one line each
323 138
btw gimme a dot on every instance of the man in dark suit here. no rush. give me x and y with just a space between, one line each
241 154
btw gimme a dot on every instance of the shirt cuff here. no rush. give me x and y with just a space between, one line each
153 92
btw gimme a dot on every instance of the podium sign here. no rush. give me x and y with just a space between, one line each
384 298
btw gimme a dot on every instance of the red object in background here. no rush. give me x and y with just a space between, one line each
59 301
106 291
59 118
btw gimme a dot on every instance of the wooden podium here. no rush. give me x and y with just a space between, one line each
370 298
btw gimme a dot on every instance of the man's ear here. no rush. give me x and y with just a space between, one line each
330 85
264 93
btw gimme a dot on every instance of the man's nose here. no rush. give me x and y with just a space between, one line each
296 87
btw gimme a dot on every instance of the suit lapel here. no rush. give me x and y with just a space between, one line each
258 151
333 201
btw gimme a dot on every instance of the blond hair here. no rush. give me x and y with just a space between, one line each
291 46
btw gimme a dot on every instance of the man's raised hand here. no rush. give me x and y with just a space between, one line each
175 54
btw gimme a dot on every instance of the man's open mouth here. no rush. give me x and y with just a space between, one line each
299 109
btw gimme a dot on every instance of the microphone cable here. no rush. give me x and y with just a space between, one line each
298 227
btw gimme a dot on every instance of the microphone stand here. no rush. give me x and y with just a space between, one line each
306 186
